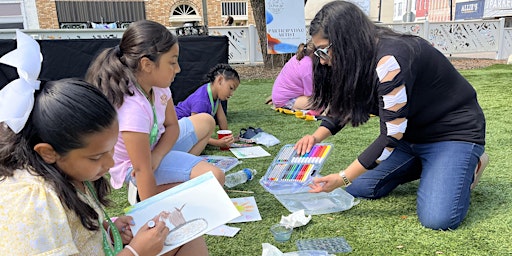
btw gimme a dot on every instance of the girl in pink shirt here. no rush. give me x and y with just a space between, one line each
294 84
135 76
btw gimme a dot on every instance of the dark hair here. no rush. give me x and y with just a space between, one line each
348 86
221 69
65 112
230 20
114 68
305 50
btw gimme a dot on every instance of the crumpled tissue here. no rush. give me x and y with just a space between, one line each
296 219
270 250
266 139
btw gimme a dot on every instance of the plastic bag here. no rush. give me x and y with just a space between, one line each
270 250
266 139
318 203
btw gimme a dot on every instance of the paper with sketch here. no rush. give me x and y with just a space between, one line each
248 208
190 210
251 152
224 230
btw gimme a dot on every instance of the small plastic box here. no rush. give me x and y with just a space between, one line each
290 172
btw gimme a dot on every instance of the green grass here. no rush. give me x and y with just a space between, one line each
387 226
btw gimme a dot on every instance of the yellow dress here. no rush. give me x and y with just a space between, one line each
34 222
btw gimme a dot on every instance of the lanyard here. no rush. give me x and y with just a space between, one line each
154 129
214 105
118 242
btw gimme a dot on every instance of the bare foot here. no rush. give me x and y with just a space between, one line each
482 163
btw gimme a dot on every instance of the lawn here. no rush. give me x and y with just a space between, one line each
387 226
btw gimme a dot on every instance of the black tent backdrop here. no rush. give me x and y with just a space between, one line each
71 58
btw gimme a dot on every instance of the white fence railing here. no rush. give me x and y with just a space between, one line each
463 36
451 38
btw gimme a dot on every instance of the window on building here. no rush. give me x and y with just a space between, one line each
112 14
234 8
184 13
184 9
237 10
11 16
399 11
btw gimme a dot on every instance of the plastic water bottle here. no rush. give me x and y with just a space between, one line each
239 177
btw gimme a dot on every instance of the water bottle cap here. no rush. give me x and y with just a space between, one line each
249 173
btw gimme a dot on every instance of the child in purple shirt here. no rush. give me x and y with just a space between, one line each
221 82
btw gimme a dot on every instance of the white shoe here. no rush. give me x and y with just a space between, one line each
482 163
132 193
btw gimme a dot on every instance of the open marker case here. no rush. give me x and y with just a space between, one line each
290 172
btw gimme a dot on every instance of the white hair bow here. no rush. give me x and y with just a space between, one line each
17 97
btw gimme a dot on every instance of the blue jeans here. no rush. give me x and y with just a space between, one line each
445 169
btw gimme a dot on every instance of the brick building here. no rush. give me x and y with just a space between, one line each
53 14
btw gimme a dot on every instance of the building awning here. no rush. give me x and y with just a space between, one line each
185 18
100 11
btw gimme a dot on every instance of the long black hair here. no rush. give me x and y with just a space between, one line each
348 86
64 113
114 68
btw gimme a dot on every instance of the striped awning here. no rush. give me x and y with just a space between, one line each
100 11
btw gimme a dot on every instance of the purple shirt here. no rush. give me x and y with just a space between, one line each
294 80
197 102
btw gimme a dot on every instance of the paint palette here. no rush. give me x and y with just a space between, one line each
291 172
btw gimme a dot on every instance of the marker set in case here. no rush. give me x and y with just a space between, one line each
291 172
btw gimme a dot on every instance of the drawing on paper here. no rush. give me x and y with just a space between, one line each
189 209
247 208
181 230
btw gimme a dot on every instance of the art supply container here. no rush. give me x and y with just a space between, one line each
223 133
292 173
281 232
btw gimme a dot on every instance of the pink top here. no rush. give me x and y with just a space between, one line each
136 115
294 80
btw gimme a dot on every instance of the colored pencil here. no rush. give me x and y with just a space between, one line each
241 191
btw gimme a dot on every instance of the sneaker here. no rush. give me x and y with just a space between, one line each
132 193
482 163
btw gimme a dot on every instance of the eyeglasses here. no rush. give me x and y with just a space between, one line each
322 52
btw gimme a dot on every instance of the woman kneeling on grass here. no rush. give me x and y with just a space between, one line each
431 124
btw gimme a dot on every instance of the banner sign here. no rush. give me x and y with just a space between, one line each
286 28
497 8
421 8
469 10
